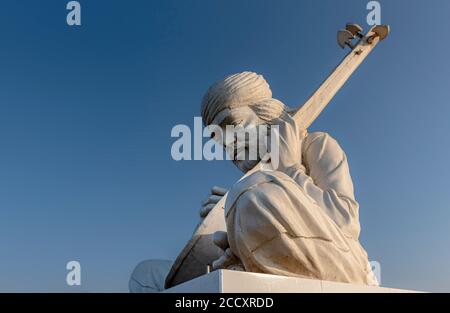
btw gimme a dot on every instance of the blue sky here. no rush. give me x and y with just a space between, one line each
86 113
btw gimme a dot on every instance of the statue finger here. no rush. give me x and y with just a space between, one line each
212 199
227 260
220 239
219 263
204 211
219 191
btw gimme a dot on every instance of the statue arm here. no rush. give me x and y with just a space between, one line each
327 180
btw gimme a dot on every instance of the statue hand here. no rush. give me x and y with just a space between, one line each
215 195
289 143
228 260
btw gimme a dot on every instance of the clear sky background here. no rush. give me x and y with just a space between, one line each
86 113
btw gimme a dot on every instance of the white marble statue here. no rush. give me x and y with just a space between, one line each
301 219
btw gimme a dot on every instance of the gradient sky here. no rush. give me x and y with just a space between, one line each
86 113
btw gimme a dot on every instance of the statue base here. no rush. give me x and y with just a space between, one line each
225 281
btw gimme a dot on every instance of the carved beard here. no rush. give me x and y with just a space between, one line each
246 164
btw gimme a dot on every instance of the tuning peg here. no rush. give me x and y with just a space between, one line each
344 38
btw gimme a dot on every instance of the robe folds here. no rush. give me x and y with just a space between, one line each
301 222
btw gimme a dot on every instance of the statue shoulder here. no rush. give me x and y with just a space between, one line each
322 149
319 139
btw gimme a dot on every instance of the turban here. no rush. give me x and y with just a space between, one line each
243 89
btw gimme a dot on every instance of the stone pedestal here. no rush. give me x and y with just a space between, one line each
225 281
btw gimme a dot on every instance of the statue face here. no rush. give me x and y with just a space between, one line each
242 119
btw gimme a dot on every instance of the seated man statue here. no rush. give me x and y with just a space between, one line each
300 218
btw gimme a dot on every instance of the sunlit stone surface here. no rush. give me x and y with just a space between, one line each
225 281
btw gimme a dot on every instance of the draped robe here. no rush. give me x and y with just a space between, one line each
303 223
